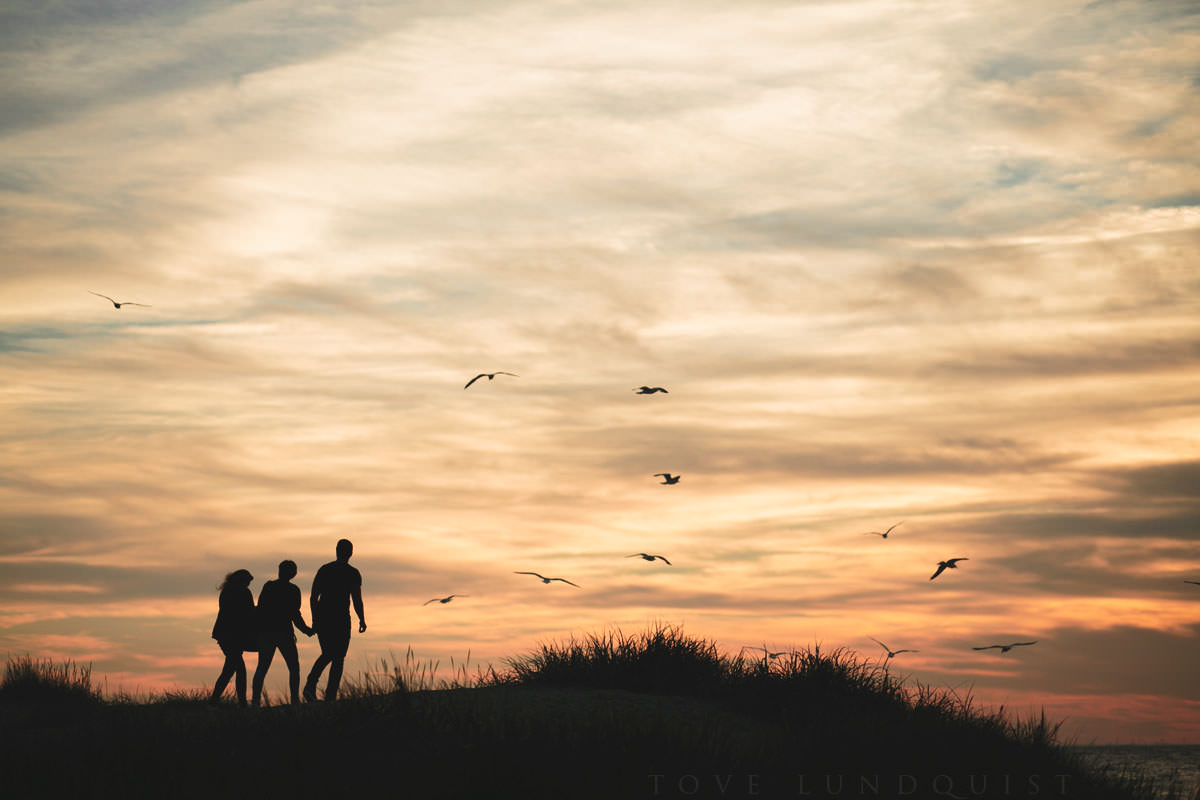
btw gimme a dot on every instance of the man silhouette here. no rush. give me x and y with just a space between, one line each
335 585
278 611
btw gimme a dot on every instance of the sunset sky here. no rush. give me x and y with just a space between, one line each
924 261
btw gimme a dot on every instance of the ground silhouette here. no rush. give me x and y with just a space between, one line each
657 714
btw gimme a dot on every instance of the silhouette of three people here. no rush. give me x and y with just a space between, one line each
240 626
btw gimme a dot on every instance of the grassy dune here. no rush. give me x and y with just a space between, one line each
658 714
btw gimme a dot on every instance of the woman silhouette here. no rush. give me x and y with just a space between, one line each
234 632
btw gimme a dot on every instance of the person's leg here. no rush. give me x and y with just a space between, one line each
310 685
239 677
227 671
287 649
335 678
337 656
266 654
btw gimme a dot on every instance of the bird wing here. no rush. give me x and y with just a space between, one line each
956 560
129 303
515 375
668 563
530 573
1195 582
434 600
477 377
907 651
635 555
898 524
564 580
881 644
662 475
106 297
1023 644
941 568
989 647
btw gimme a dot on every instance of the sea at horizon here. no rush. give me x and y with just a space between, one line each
1165 763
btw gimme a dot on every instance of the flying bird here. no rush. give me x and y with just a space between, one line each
491 376
884 534
547 580
1195 582
1004 648
945 565
115 303
767 653
650 390
890 652
649 557
667 478
444 599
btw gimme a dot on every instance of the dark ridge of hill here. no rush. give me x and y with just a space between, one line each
610 717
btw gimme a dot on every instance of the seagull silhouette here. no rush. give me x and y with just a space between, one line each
115 303
649 557
667 478
650 390
491 376
1004 648
1195 582
945 565
767 653
547 580
444 599
890 652
884 534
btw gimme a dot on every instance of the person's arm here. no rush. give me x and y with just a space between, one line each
249 621
356 596
314 597
297 617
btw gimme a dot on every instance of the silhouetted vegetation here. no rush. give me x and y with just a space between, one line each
597 717
42 682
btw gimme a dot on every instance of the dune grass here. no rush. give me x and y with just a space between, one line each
30 680
611 715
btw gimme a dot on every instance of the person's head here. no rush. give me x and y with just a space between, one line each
287 569
240 577
344 549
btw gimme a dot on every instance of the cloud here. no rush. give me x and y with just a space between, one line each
1075 568
1176 201
1172 480
29 340
1081 358
944 273
58 647
1096 661
28 534
105 583
131 51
